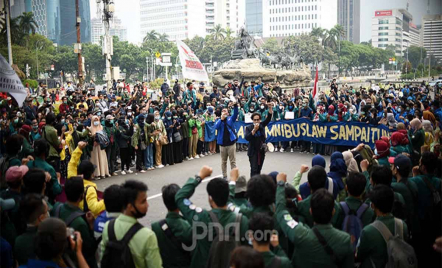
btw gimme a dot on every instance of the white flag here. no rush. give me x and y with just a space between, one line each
191 65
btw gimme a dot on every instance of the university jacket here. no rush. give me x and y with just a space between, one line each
309 252
230 121
198 217
172 253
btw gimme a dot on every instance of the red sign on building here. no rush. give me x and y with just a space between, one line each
383 13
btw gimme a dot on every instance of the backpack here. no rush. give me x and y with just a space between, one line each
117 253
223 244
102 139
71 217
400 253
4 165
177 243
352 223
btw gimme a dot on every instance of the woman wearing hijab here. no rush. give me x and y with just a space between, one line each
350 162
98 156
399 143
159 132
429 133
338 172
417 136
391 122
167 149
382 152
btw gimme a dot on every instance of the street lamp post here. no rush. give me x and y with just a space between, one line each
36 53
153 63
147 68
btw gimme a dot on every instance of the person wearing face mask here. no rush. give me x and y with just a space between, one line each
111 150
139 141
177 139
123 134
167 149
64 106
144 240
195 133
35 135
159 133
98 155
307 113
185 134
190 94
227 138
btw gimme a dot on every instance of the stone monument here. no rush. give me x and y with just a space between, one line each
251 63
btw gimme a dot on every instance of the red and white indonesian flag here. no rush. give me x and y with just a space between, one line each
191 65
315 87
9 82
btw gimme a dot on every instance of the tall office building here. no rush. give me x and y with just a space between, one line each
432 35
254 17
391 27
349 12
415 35
68 22
296 17
181 19
116 29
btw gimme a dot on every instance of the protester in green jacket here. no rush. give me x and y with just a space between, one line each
309 252
173 231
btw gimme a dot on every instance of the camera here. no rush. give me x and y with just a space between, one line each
71 233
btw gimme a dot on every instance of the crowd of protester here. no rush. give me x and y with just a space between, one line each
52 214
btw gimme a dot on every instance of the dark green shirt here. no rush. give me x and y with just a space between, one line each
24 246
269 256
304 211
372 246
309 252
198 216
173 255
80 225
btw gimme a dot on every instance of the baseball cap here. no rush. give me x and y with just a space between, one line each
400 162
241 185
16 173
210 109
7 204
109 117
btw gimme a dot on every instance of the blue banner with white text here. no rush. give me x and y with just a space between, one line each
332 133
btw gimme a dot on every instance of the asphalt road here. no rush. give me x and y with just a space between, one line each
286 162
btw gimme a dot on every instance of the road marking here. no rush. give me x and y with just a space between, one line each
205 180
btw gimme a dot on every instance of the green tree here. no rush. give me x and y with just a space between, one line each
271 45
151 36
318 32
163 37
416 55
307 46
218 32
27 23
229 32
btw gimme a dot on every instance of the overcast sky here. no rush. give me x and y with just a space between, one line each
128 12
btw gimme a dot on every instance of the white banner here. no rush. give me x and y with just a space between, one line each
191 65
9 82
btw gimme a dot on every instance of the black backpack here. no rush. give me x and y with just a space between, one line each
223 244
117 253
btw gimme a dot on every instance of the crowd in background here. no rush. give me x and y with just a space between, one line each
52 152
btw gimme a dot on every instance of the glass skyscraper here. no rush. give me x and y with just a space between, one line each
254 17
